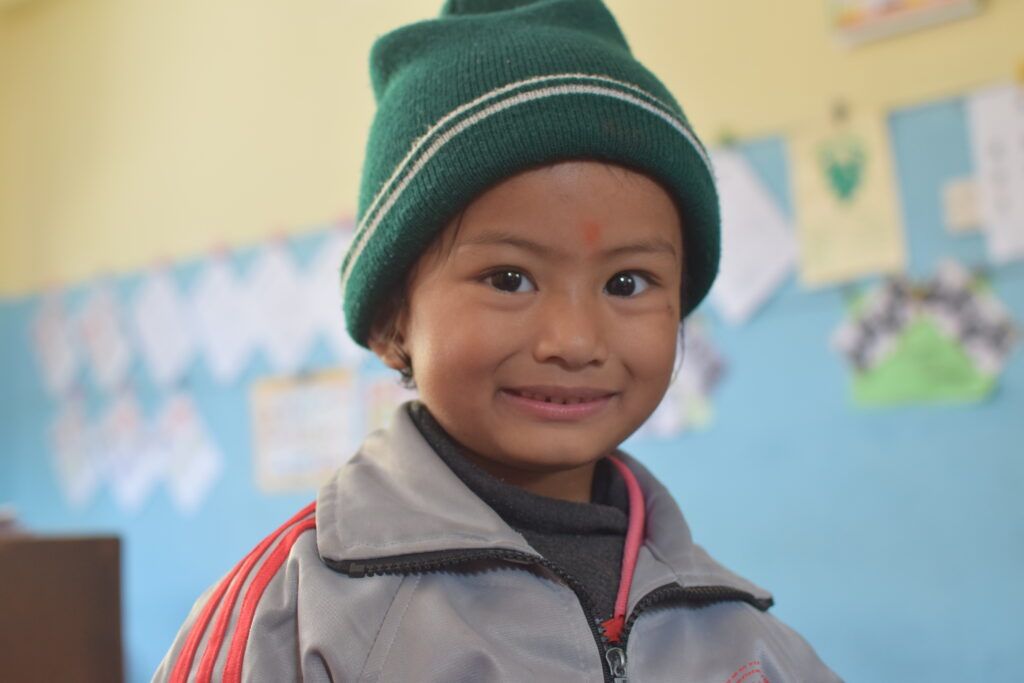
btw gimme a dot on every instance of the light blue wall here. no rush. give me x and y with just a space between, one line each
893 540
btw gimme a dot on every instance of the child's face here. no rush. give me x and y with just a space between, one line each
580 309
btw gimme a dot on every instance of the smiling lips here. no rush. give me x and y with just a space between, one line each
560 395
558 404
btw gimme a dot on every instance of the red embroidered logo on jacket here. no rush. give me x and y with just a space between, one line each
750 672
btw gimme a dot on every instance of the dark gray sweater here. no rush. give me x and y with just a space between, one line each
583 539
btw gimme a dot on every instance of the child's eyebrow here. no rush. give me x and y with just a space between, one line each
644 246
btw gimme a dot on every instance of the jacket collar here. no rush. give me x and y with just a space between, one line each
397 497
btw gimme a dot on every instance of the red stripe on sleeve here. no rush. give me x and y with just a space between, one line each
183 664
236 653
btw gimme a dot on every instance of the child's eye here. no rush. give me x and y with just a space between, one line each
624 284
506 280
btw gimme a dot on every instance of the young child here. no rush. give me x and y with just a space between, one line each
536 219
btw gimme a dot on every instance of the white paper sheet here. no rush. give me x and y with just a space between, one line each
75 456
164 328
996 126
101 329
283 321
53 342
136 460
193 461
758 243
223 321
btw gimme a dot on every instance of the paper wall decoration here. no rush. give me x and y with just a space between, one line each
164 328
859 21
945 340
303 428
100 328
323 292
53 340
758 244
282 322
848 221
224 321
995 118
75 454
135 460
194 463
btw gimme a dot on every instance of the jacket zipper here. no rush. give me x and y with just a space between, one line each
697 596
613 661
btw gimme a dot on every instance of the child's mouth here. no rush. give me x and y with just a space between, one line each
564 407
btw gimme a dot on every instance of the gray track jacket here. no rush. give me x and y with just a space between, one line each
400 573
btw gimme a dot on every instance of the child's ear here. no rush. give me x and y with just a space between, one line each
387 352
387 347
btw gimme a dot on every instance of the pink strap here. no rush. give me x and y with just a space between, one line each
634 539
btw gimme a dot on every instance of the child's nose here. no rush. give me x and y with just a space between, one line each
569 329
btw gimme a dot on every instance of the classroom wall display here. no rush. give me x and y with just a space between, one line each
131 453
945 339
855 519
847 214
859 21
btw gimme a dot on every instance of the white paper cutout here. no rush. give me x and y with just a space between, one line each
135 459
758 243
53 337
996 125
102 332
193 461
223 320
75 455
282 320
164 327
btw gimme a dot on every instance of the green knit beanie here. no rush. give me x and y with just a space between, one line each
492 88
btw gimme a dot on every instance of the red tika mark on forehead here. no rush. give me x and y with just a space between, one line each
591 233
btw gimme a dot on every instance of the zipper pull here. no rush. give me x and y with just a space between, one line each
616 657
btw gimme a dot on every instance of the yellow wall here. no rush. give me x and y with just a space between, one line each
139 130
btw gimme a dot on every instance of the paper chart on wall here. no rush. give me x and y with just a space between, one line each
55 349
224 321
847 216
164 328
758 245
101 328
996 125
303 428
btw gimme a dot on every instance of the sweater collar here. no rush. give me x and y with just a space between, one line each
607 513
397 497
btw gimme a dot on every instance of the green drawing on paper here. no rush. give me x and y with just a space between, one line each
843 160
